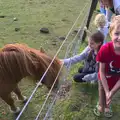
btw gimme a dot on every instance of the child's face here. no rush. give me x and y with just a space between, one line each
101 24
115 35
93 45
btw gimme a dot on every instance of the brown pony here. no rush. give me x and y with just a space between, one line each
18 61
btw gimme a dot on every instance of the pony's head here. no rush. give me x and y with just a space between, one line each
21 61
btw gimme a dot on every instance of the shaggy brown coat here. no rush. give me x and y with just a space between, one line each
18 61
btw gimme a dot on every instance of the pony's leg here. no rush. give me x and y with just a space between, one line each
9 100
19 94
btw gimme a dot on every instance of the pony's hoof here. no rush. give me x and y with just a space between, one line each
15 115
25 99
17 111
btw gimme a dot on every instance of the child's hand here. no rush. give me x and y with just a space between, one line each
108 98
61 61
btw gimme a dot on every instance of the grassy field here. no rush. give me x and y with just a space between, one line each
58 16
28 17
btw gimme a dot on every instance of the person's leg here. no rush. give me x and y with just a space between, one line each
109 14
102 8
102 97
100 105
107 110
118 11
78 77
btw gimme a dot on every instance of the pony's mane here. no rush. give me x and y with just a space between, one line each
19 60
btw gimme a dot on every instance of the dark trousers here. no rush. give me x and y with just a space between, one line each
78 76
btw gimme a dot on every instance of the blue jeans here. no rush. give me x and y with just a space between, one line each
102 10
78 76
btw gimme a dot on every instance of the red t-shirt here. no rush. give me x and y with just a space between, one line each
108 56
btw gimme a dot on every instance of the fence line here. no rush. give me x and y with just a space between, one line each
60 71
47 68
81 30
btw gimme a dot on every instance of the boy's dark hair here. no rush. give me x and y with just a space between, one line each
97 37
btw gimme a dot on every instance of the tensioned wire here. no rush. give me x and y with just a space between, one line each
69 64
50 91
49 65
67 74
64 78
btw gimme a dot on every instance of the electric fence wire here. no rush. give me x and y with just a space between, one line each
47 69
60 71
79 42
49 93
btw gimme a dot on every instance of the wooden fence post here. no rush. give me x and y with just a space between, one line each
92 8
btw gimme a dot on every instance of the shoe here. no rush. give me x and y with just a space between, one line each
108 113
96 111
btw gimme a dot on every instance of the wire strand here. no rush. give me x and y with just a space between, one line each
48 67
67 69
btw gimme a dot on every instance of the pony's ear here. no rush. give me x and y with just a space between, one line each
42 50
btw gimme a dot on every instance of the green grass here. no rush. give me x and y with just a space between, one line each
83 98
58 16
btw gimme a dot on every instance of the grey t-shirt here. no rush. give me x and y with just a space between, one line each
89 66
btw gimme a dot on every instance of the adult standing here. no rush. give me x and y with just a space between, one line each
116 4
112 4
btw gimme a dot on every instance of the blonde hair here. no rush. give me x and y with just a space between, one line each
114 21
100 18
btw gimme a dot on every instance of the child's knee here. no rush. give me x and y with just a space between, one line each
77 78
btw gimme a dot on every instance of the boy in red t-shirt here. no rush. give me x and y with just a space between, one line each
109 69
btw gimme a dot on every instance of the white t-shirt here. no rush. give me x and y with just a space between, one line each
105 31
116 3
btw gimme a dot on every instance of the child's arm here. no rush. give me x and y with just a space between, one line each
77 58
113 91
103 78
115 88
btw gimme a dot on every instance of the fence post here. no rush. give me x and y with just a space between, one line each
93 7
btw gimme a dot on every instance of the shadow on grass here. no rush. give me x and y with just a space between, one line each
79 105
